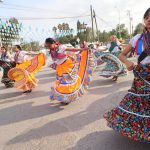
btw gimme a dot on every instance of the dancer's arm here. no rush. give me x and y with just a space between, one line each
105 49
32 53
123 57
102 50
76 49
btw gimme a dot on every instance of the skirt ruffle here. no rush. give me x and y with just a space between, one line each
132 117
113 66
24 74
75 78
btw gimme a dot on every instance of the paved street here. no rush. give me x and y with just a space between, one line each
32 122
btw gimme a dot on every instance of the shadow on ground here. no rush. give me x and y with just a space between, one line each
108 140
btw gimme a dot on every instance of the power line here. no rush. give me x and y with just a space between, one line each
22 9
35 11
105 22
49 18
25 7
32 9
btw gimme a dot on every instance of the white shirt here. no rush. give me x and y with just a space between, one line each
8 57
61 50
133 42
116 49
21 56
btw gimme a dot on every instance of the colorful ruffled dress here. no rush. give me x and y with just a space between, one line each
72 76
113 67
24 73
132 116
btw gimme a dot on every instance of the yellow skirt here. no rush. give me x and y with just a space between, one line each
24 74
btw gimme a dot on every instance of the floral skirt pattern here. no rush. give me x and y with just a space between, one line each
113 66
132 117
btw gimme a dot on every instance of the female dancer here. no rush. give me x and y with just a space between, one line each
25 70
132 117
72 79
113 66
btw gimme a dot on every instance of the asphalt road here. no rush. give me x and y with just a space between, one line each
32 122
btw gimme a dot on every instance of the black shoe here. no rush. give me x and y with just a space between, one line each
28 91
64 103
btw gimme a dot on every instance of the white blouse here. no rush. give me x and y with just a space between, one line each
22 56
61 50
133 42
116 49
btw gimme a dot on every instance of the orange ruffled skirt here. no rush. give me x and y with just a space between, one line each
73 78
24 74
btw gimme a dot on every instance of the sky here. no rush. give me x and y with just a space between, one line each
107 12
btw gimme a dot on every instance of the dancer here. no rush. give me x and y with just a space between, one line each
72 79
25 70
132 117
114 67
6 64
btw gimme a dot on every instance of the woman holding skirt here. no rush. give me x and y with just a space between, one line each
72 78
114 67
25 70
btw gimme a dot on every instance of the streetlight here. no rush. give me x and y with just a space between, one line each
119 21
130 21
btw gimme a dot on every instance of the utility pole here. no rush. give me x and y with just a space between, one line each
1 1
94 15
92 23
130 24
132 29
119 31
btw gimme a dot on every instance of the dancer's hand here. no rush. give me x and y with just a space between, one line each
130 65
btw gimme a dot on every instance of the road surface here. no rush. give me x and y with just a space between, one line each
32 122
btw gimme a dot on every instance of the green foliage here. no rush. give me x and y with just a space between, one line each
104 36
138 29
32 46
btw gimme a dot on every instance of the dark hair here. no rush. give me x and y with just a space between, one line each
4 47
73 44
142 56
91 46
19 47
146 13
50 41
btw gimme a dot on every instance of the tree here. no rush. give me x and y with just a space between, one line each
13 20
123 31
64 40
138 29
104 36
55 31
32 46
